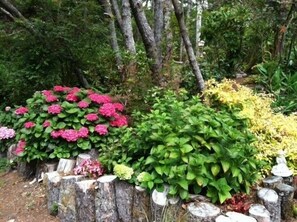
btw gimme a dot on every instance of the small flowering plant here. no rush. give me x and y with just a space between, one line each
123 172
64 121
5 135
89 168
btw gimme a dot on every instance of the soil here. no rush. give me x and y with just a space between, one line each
22 202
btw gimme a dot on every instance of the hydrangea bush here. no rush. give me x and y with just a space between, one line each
89 168
63 122
6 134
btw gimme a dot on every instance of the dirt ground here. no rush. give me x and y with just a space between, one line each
22 202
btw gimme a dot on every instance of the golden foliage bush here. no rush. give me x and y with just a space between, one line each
274 131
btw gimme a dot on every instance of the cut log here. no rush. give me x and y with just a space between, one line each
105 199
259 212
173 210
85 200
82 157
202 212
94 154
286 194
66 166
26 170
272 181
52 183
67 208
141 205
50 167
159 202
271 201
288 180
124 200
238 217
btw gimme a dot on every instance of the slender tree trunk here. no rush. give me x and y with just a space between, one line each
117 12
127 27
198 26
148 39
188 45
167 31
158 26
11 9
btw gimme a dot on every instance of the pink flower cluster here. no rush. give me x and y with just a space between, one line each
90 168
101 129
61 88
107 109
100 99
29 125
6 133
20 147
83 104
54 109
119 121
71 97
46 123
92 117
51 98
71 135
21 110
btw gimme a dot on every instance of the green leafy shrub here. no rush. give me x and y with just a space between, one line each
63 122
190 147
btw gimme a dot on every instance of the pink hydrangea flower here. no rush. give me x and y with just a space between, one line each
54 109
83 104
56 134
6 133
107 110
83 132
119 121
71 97
74 90
100 99
70 135
60 88
46 123
92 117
46 92
51 98
21 110
101 129
119 106
29 125
20 147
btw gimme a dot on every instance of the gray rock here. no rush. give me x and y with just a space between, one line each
272 181
223 218
202 212
238 217
259 212
286 194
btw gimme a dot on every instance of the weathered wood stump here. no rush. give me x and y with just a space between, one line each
271 201
234 216
82 157
124 200
173 209
202 212
259 212
51 167
67 209
26 170
141 205
105 199
52 181
85 200
159 202
66 166
272 181
286 194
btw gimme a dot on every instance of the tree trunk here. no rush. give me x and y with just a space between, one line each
124 200
198 26
11 9
167 31
188 45
158 26
52 183
66 166
141 205
127 27
117 12
148 39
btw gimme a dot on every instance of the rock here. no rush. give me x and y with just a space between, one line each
272 181
124 200
238 217
67 206
105 199
286 194
202 212
141 205
271 201
85 200
66 166
158 203
82 157
259 212
223 218
52 183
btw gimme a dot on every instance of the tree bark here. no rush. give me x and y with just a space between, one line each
148 39
124 200
158 26
188 45
141 205
52 183
167 31
127 27
11 9
66 166
117 12
198 25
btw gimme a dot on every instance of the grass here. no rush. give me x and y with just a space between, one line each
4 165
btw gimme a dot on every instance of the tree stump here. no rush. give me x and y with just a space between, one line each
85 200
124 200
81 157
259 212
272 181
26 170
234 216
286 194
271 201
141 205
66 166
173 209
51 167
105 199
67 208
52 181
159 202
202 212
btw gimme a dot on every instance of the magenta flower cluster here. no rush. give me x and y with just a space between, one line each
90 168
70 135
6 133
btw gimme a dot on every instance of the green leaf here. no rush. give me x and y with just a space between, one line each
173 155
61 115
186 148
61 125
52 156
159 170
235 171
215 169
149 160
183 183
150 185
224 196
184 194
225 166
190 175
72 110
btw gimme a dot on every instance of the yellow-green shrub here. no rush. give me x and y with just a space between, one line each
274 131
